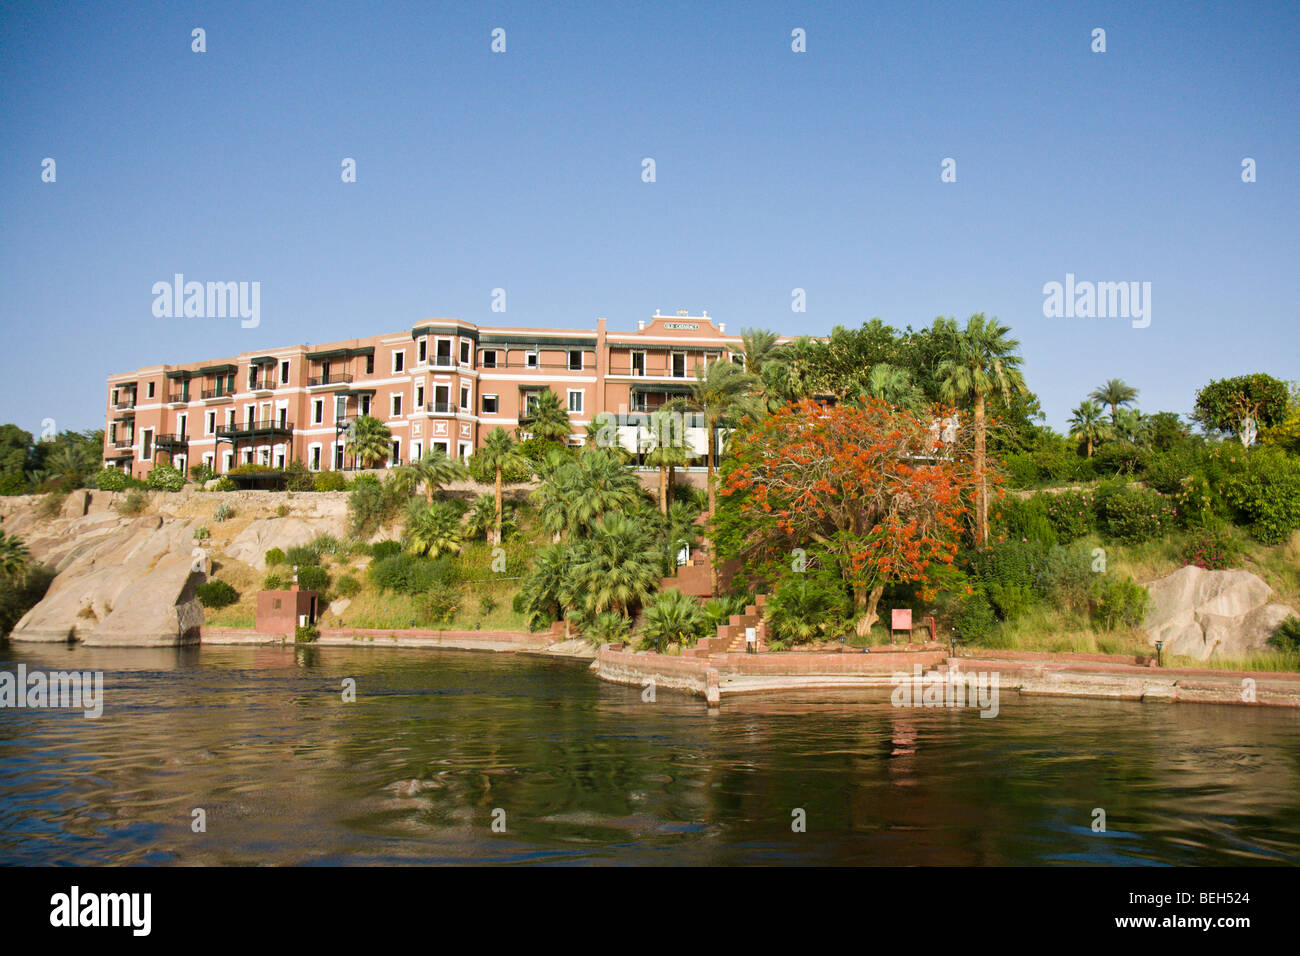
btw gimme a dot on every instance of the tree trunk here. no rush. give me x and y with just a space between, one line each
663 489
668 497
982 505
497 535
866 604
713 501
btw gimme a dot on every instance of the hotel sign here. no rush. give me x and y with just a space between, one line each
688 326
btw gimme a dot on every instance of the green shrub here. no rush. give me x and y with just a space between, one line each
348 586
165 478
201 533
487 604
368 508
312 578
439 603
273 557
217 593
1263 489
132 504
298 478
305 633
110 479
1287 635
1021 470
1026 520
224 484
302 556
273 582
1067 576
385 549
223 512
810 605
1213 547
1118 602
607 628
328 544
1134 515
329 481
974 620
1071 514
1166 471
282 511
1120 458
202 473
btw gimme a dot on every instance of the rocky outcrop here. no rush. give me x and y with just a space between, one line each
1204 614
130 581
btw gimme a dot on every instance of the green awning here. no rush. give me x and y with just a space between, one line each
218 369
264 360
444 330
182 374
538 340
340 353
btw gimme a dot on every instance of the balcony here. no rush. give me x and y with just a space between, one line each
442 361
265 426
124 403
178 398
337 378
440 408
217 393
121 443
261 385
170 441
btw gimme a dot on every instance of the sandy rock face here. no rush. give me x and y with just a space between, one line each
1206 614
251 544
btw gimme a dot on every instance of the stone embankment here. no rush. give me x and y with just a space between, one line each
509 641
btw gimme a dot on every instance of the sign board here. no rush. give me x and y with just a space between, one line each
685 326
902 619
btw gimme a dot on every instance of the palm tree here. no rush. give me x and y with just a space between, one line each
14 555
673 618
69 461
981 361
1087 425
370 441
667 453
1131 424
432 471
434 530
760 347
600 484
616 568
1114 394
678 528
544 591
482 517
722 390
893 384
498 456
547 420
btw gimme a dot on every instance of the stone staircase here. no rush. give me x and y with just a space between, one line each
730 638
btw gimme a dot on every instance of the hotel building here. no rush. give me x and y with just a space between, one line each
444 384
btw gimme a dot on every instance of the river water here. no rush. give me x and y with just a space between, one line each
438 744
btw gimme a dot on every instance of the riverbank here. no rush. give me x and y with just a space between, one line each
1027 673
497 641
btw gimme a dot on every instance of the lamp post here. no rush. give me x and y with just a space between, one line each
1159 645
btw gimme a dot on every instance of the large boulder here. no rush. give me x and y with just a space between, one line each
263 534
1203 614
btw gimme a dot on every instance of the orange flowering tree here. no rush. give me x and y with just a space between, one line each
872 488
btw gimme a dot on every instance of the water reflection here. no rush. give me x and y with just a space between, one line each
261 739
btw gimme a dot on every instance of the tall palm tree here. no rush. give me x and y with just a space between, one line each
981 361
547 420
433 471
722 391
1088 425
893 384
370 441
667 452
601 485
498 456
1131 424
1114 394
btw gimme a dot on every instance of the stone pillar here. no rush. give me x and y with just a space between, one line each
711 692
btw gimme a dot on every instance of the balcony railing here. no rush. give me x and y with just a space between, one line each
261 385
337 378
178 398
218 393
263 425
123 443
441 408
124 403
442 361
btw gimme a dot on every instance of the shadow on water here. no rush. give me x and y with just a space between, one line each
435 743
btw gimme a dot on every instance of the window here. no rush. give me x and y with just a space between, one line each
397 452
318 411
489 359
399 361
370 364
230 418
365 404
638 363
530 360
340 407
415 451
464 398
148 390
211 424
575 400
575 360
464 353
284 373
419 397
442 354
738 358
313 458
397 406
489 404
679 365
423 351
530 403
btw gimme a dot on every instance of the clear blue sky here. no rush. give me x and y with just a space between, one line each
522 170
